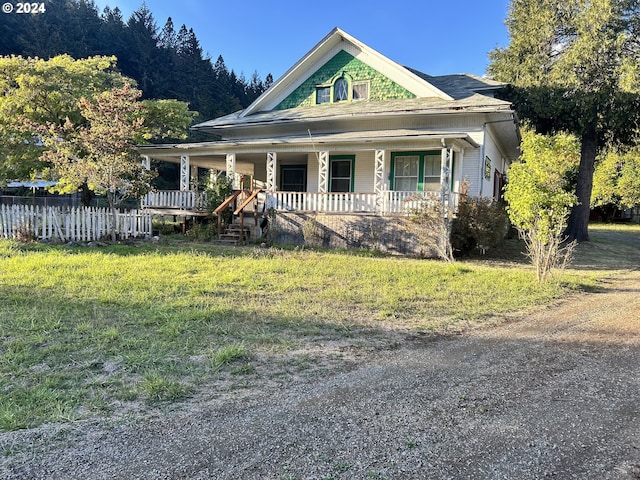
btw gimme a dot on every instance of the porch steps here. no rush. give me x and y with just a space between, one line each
232 235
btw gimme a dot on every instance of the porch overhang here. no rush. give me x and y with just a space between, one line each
364 140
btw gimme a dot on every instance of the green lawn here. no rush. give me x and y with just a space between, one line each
87 332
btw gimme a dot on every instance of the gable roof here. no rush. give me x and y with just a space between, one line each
328 47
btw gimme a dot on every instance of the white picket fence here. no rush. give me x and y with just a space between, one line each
81 224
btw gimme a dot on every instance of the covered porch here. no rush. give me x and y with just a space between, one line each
302 176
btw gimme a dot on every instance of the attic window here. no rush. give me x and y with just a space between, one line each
341 90
360 91
323 94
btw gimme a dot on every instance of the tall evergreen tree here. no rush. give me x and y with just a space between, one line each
142 60
82 27
164 64
575 67
268 81
167 38
112 35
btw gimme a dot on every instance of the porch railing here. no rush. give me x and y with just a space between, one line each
353 202
405 202
175 199
389 202
323 202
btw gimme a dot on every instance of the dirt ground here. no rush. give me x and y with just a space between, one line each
553 395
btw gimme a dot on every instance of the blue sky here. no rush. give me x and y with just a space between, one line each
268 36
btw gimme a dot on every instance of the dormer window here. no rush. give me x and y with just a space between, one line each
341 90
323 94
360 91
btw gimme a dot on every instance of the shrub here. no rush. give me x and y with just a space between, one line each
433 221
480 223
540 195
313 233
24 234
221 189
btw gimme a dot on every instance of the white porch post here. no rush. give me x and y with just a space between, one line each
231 169
184 173
323 172
445 175
378 181
272 168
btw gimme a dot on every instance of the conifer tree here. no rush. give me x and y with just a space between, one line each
575 67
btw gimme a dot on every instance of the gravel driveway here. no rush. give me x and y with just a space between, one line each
552 395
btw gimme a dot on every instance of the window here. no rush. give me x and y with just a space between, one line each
323 95
341 174
360 91
416 171
406 173
432 167
341 90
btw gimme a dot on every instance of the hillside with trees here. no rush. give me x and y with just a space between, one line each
166 62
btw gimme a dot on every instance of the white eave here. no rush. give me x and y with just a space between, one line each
361 140
326 49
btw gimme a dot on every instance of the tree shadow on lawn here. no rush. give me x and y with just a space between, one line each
607 250
519 405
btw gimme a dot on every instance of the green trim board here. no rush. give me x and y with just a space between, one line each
352 159
355 71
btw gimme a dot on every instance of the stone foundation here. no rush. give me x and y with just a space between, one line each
388 234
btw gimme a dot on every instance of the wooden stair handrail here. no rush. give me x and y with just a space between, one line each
227 202
253 195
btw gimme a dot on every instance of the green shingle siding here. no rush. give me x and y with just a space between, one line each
380 87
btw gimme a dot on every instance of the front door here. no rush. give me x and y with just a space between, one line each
293 178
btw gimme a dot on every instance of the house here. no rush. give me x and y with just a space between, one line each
346 139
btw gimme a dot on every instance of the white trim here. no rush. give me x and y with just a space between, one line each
193 175
445 173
